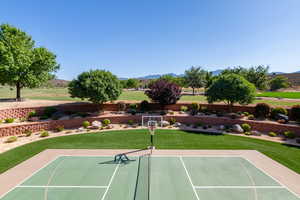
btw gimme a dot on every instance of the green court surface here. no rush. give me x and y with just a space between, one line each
154 177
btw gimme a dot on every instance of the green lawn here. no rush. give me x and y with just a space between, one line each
61 94
164 139
290 95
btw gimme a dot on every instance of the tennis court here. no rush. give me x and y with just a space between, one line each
150 177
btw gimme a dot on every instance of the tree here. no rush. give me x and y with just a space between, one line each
132 83
208 79
177 80
258 75
98 86
231 88
279 82
21 63
164 92
195 78
123 83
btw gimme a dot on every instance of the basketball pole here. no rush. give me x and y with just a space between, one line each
151 138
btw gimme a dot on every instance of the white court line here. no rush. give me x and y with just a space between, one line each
199 156
238 187
61 186
49 162
188 175
284 186
251 179
93 156
110 181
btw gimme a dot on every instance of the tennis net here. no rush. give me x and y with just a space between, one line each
142 189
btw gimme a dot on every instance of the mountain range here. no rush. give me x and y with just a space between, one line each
215 73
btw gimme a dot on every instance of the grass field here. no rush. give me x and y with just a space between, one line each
290 95
164 139
61 94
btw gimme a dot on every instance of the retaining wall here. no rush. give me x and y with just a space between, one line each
75 123
88 107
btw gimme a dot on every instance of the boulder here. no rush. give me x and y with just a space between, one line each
66 117
165 123
77 117
237 128
177 124
221 127
256 133
96 124
282 117
57 115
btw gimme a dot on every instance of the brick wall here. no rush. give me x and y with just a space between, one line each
74 123
88 107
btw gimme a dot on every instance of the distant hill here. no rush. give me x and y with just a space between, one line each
276 73
57 83
217 72
293 78
156 76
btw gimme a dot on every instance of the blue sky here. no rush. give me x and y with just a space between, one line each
134 38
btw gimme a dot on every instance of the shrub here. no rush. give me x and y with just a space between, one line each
278 82
28 133
43 117
171 112
272 134
130 122
11 139
86 124
60 128
121 106
164 92
199 124
44 133
278 110
49 111
23 119
246 127
105 122
9 120
145 106
184 108
133 108
246 113
195 107
262 110
289 134
32 114
163 112
295 112
172 120
251 117
98 86
247 133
